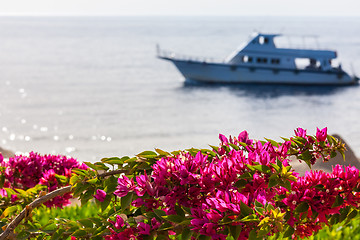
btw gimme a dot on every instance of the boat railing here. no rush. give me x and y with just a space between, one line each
161 53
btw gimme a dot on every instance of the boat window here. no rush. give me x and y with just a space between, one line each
261 60
307 63
275 61
261 40
247 59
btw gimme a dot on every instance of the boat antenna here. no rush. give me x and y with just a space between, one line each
353 70
157 49
289 41
282 30
317 42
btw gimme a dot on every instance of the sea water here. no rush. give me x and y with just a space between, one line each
92 87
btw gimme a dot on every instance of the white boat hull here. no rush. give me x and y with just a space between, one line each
226 73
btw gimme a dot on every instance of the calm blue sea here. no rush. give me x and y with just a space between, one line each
92 87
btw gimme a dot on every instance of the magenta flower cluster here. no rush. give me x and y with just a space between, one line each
219 188
25 172
321 190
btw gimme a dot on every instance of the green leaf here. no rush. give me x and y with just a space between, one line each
289 232
344 213
243 144
58 234
62 179
96 221
193 151
86 223
125 201
286 184
272 182
79 171
333 154
302 207
110 184
250 218
162 237
174 218
245 209
285 139
74 179
93 181
320 186
159 213
305 155
90 165
22 235
338 202
274 143
101 166
115 160
262 168
79 233
241 183
186 234
352 214
147 154
246 175
203 237
258 204
252 235
214 148
179 211
276 167
79 188
8 211
259 210
86 196
334 219
237 148
161 152
235 231
165 226
100 230
104 204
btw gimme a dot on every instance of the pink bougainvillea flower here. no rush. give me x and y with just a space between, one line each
155 224
125 186
138 202
100 195
244 137
300 132
1 158
144 229
3 193
119 222
321 134
14 198
223 139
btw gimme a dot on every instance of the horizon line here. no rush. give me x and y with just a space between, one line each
161 15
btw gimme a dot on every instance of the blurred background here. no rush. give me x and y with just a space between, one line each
92 87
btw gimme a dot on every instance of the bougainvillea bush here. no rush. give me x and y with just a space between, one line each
240 189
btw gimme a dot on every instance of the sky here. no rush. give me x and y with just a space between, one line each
181 7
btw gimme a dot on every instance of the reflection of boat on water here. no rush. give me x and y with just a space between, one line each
260 61
265 91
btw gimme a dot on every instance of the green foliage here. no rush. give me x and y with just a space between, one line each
115 185
340 231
